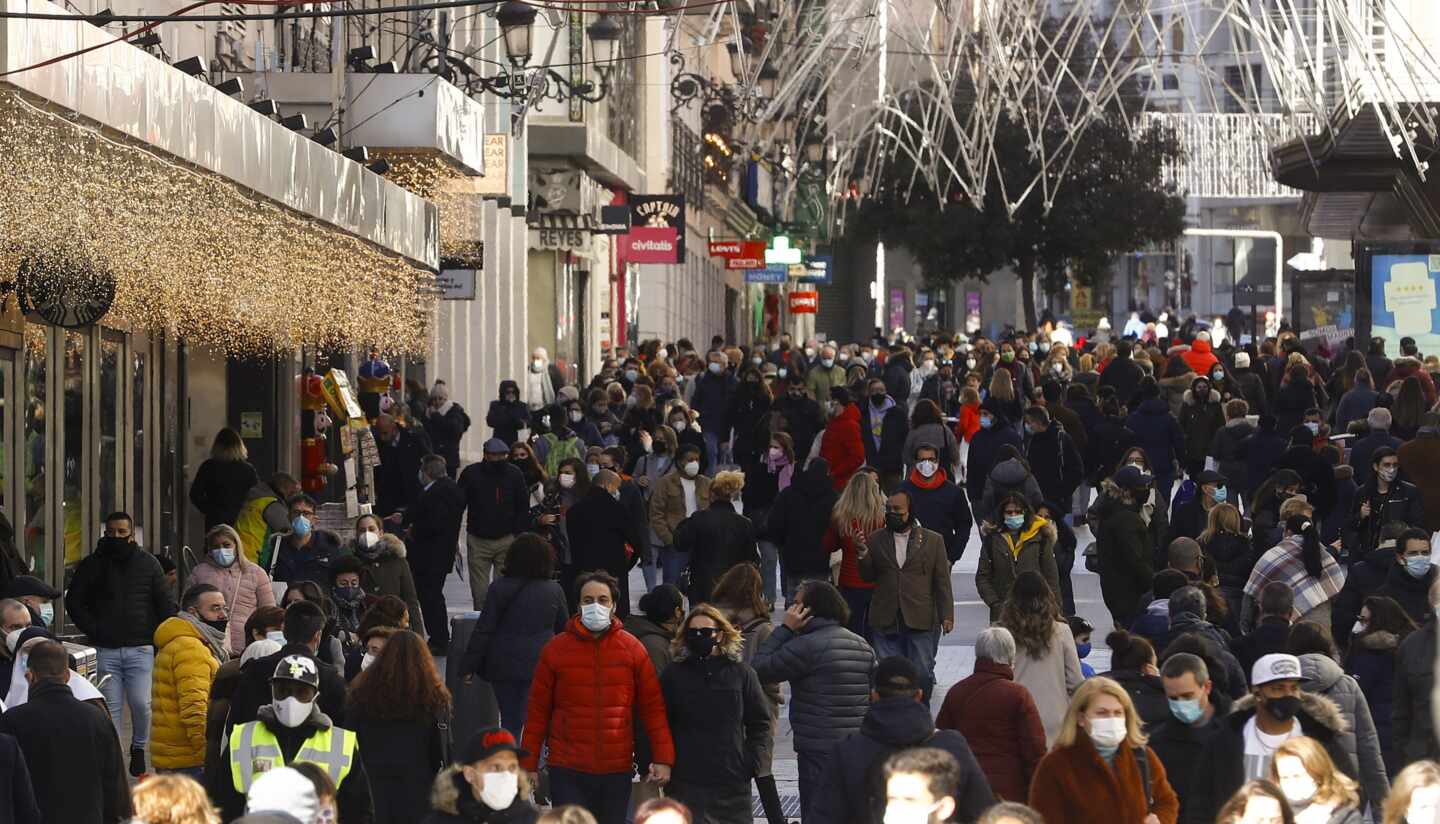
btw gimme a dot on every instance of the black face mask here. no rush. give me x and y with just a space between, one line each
218 626
877 399
896 522
116 546
1283 709
699 642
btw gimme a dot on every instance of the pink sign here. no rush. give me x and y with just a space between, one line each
651 244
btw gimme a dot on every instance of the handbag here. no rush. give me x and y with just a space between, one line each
1092 557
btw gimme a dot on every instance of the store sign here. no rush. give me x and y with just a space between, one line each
456 284
818 269
647 244
661 212
770 274
739 254
560 239
614 220
496 178
804 303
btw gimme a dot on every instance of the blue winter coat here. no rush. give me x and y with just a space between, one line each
1372 664
1158 433
945 510
984 448
828 668
712 399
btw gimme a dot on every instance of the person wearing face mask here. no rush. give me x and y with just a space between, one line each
718 716
593 682
401 449
920 786
1123 547
844 444
717 537
542 380
118 597
245 585
1384 498
824 374
1413 724
677 496
348 602
1243 749
1201 416
940 504
1101 768
1190 517
1415 798
303 631
995 442
384 569
1024 542
604 535
37 596
485 785
711 401
291 729
497 509
558 440
189 650
1196 711
306 553
508 414
257 631
1317 792
446 422
803 416
1300 562
747 422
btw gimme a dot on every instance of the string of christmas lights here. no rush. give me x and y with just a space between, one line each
191 253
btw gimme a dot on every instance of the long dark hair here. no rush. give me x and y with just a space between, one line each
1030 614
402 684
1266 492
1310 548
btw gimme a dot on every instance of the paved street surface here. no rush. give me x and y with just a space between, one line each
957 650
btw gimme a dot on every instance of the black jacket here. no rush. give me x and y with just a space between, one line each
445 431
1055 462
73 756
455 803
401 759
985 453
497 499
434 524
943 510
1125 560
1220 771
828 668
1125 375
1362 580
310 562
717 538
719 719
1181 746
853 790
253 691
888 455
397 478
797 521
520 618
802 417
1316 474
748 416
1412 723
897 378
1233 559
599 528
1146 692
17 795
1109 440
1401 503
1271 635
220 489
118 596
1411 593
1229 448
507 418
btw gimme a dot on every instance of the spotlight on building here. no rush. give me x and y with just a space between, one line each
265 106
233 86
326 136
388 67
193 66
359 154
296 122
380 166
359 56
148 40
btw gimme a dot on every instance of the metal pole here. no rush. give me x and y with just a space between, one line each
1279 258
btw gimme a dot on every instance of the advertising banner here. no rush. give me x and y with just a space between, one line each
739 254
661 212
647 244
804 303
770 274
1403 298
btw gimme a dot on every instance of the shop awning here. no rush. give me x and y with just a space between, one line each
548 220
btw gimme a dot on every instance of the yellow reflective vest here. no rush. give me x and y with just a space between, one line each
254 750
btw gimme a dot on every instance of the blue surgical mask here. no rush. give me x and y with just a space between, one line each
223 555
1221 493
1418 566
47 614
300 525
1186 709
986 421
1083 650
1014 521
1313 427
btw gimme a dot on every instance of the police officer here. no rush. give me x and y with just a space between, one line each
289 730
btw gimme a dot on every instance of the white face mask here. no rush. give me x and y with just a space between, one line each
567 481
292 712
691 468
278 636
366 660
223 555
1299 789
1424 804
904 812
498 789
927 468
595 617
537 365
1107 732
12 638
369 539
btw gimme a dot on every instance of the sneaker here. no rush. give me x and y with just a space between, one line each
137 761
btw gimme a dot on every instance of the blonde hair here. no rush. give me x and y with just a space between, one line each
1223 518
1002 386
1331 786
1417 775
969 395
1296 505
861 507
568 814
1087 362
1088 691
727 485
173 799
728 642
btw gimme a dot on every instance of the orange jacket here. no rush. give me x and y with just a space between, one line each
1199 358
969 422
584 699
1074 785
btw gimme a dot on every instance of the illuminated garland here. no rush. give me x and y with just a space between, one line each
427 175
191 253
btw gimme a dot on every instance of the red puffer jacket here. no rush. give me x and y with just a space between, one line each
840 444
584 699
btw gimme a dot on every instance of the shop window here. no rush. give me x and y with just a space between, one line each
36 409
111 412
74 470
138 423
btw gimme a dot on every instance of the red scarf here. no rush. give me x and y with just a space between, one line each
933 482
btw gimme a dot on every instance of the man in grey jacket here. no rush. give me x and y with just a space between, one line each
912 592
828 668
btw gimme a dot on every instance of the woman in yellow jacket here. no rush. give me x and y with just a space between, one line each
188 652
1023 542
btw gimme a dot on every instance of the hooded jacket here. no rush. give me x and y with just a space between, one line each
853 789
386 572
118 596
1200 358
507 418
797 521
1001 724
246 588
719 717
1009 476
941 507
586 692
1371 663
1200 419
1055 462
828 668
842 447
1229 447
1220 771
984 455
453 802
1125 375
1322 676
180 695
1158 434
1006 554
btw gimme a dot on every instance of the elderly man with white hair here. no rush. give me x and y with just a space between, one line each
540 385
997 716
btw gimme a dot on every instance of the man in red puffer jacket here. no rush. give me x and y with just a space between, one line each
590 684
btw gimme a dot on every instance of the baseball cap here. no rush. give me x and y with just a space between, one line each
1132 477
1209 476
487 742
897 673
1275 667
301 668
495 446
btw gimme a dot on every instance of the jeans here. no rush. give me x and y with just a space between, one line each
513 700
484 555
712 448
915 644
769 559
672 563
812 779
859 602
131 670
649 570
605 795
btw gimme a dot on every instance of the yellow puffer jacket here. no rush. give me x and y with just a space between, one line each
180 695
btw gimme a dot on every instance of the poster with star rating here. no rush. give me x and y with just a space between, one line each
1404 298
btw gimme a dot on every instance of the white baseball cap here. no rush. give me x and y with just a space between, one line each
283 790
1275 667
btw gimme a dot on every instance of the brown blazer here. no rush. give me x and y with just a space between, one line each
667 504
921 591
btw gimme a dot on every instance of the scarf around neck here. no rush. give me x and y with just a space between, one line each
783 467
214 638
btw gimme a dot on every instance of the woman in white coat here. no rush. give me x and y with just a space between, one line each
1046 663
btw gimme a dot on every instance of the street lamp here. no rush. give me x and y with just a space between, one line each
516 20
737 61
769 76
604 36
814 148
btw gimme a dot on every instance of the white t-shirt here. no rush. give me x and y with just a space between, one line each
1260 748
688 484
902 548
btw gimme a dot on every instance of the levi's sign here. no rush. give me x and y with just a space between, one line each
739 254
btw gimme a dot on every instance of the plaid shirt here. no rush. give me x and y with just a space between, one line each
1283 563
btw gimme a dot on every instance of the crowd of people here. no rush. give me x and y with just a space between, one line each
1259 517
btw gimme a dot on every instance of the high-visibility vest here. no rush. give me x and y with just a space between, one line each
254 532
254 750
